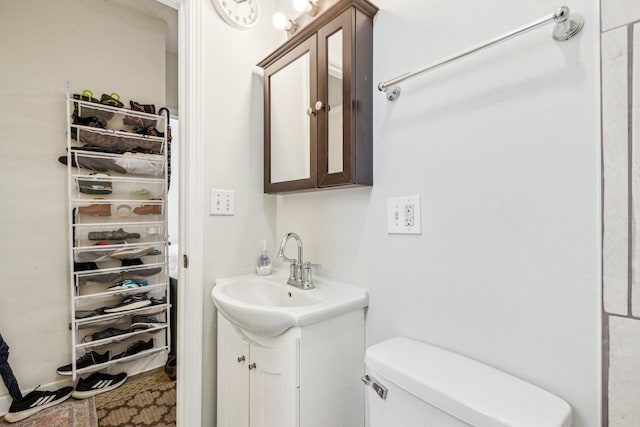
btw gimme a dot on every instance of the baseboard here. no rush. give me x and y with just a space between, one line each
134 368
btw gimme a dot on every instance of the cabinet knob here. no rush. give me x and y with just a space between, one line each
252 366
310 112
240 359
319 106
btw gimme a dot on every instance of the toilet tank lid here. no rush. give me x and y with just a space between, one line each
471 391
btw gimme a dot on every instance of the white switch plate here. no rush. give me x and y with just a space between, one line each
403 215
223 202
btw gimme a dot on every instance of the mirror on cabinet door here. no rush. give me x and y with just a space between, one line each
290 122
335 109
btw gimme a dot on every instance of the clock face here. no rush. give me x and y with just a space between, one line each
238 13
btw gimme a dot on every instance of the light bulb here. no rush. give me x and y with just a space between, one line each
279 20
300 5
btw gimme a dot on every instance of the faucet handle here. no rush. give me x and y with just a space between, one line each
308 265
307 283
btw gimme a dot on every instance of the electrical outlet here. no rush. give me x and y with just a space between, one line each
222 202
409 219
403 215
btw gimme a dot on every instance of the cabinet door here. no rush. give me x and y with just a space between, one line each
290 153
336 160
233 377
275 385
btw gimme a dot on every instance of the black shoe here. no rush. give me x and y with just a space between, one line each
98 383
129 303
118 234
84 266
107 333
158 301
90 358
135 348
36 401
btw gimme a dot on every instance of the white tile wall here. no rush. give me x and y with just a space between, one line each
615 160
619 12
624 372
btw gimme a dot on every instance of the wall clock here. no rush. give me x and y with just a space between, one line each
242 14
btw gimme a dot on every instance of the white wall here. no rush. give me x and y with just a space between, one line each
43 43
503 148
233 131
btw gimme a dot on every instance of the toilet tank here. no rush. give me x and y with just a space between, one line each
424 385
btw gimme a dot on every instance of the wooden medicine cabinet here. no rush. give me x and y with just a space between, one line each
318 90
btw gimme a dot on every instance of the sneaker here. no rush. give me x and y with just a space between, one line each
107 333
90 358
133 253
83 314
127 284
135 348
170 368
36 401
158 301
148 210
98 383
143 322
113 100
142 272
95 184
129 303
100 278
96 210
118 234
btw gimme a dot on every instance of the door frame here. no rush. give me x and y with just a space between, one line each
191 218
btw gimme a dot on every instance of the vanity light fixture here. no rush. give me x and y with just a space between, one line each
281 22
310 7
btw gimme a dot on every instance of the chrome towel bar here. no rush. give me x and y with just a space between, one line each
566 27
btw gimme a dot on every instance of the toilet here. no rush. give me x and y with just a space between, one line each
415 384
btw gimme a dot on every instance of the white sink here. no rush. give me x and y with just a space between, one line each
267 306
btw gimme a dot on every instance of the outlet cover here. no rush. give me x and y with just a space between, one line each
223 202
403 215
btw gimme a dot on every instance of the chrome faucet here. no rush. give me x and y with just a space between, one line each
299 271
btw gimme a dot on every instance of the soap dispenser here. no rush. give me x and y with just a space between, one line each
263 266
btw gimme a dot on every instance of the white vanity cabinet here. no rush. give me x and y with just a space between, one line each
307 377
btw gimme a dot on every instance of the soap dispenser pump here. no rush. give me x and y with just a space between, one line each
263 266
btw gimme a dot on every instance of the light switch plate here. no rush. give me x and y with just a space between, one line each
223 202
403 215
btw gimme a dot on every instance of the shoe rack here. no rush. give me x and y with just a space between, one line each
117 193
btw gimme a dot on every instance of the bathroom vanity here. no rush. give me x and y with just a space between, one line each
289 357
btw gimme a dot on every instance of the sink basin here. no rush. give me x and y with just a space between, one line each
267 306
